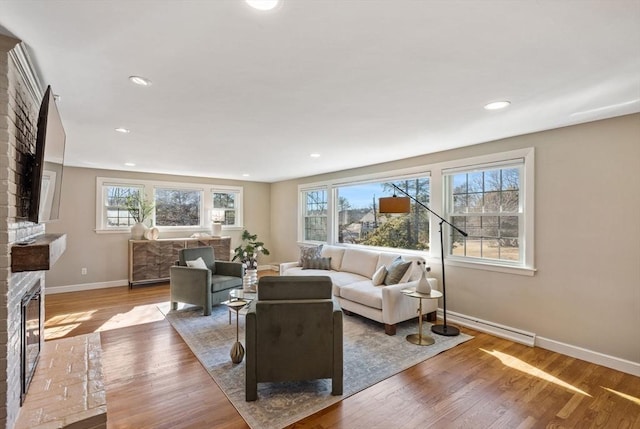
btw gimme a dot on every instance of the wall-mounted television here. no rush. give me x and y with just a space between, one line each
46 173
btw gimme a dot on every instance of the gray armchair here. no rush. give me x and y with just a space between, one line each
203 286
293 332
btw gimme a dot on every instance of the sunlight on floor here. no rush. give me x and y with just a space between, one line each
623 395
136 316
56 332
520 365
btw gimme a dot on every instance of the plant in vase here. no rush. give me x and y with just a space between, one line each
140 209
247 253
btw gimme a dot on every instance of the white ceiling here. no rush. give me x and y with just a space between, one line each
237 91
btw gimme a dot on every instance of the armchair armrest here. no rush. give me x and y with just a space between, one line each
226 268
192 286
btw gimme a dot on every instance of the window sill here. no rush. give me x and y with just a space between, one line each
168 229
487 266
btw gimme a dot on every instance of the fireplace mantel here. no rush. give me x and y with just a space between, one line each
39 255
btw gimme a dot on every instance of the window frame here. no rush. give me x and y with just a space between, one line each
149 187
302 208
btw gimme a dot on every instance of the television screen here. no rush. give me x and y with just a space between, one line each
46 177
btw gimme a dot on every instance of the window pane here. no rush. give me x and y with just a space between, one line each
115 206
176 207
226 201
315 215
360 222
490 194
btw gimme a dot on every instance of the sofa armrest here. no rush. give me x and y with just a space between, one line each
286 265
397 307
226 268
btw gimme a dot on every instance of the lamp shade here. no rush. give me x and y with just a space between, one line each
395 204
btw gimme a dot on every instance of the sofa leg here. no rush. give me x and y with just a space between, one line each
389 329
174 305
206 310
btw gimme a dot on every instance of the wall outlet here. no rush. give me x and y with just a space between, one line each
83 271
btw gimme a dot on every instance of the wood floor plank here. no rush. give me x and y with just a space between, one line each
153 380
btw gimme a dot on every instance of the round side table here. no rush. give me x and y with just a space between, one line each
237 350
419 338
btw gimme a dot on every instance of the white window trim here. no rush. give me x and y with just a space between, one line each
301 211
527 267
149 187
435 172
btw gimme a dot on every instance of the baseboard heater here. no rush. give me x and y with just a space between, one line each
513 334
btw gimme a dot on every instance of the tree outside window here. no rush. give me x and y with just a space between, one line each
315 215
486 205
115 198
177 207
360 222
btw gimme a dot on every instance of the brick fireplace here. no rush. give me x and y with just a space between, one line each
19 103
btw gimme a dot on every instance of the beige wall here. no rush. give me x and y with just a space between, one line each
586 291
105 255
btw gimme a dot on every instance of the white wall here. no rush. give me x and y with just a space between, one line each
586 291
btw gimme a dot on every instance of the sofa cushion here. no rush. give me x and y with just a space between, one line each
396 271
335 253
309 252
360 261
364 293
378 277
316 264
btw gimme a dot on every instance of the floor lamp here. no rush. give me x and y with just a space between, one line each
397 204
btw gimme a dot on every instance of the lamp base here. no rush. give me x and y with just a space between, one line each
446 330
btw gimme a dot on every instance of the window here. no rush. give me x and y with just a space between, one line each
177 207
115 212
485 202
314 209
227 203
360 222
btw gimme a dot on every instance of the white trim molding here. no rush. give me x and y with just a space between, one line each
52 290
532 340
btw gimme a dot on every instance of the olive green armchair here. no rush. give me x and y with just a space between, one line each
293 332
205 286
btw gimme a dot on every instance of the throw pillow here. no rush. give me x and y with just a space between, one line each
316 264
309 252
198 263
395 271
379 275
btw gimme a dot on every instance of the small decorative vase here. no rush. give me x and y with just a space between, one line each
253 276
423 285
138 230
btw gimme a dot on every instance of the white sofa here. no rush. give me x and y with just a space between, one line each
351 272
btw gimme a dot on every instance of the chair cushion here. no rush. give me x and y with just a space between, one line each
219 282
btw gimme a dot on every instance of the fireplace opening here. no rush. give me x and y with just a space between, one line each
30 350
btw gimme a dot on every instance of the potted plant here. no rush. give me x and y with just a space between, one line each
247 253
140 209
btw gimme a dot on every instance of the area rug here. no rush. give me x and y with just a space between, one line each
370 356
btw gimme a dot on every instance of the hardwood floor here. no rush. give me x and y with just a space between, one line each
154 381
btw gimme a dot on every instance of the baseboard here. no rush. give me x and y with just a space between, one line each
531 339
502 331
85 286
612 362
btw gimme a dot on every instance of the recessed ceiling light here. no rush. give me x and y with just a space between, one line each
139 80
129 164
246 175
496 105
263 4
315 155
123 130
